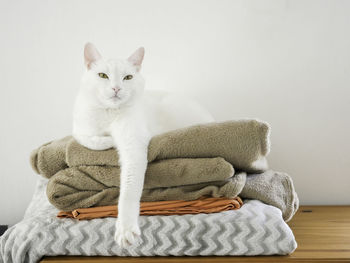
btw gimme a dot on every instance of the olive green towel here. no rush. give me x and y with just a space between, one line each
87 186
244 144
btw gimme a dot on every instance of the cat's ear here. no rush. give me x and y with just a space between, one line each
137 57
91 55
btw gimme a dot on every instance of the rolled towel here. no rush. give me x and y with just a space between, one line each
273 188
50 158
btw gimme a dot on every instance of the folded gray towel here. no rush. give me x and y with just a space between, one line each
273 188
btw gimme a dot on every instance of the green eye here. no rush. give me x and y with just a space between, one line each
128 77
103 75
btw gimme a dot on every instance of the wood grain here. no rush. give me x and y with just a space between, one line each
322 233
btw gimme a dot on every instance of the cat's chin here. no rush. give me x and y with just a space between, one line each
113 102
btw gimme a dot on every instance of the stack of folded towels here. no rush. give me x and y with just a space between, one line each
191 203
199 169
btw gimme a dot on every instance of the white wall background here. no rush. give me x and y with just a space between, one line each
286 62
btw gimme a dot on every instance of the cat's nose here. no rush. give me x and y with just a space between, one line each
116 89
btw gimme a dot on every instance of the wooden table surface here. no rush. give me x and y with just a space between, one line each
322 234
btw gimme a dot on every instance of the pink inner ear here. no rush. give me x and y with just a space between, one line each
137 57
91 54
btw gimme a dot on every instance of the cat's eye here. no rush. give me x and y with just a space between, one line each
128 77
103 75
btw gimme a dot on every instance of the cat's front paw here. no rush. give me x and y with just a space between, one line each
127 234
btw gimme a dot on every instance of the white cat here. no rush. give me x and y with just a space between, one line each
112 110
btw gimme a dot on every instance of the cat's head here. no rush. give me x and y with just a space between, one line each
111 83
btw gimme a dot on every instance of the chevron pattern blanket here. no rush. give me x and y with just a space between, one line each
255 229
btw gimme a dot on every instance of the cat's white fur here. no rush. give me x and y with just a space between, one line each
118 113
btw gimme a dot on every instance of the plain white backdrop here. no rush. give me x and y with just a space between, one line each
285 62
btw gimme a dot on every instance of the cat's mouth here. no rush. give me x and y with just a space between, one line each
115 96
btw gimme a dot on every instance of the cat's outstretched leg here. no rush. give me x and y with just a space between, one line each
132 145
133 162
95 142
